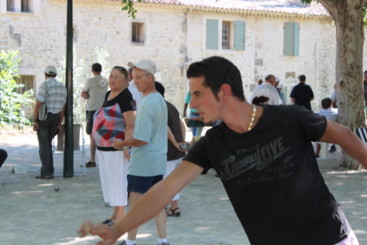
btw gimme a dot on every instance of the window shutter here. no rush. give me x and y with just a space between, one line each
291 38
211 34
239 35
296 39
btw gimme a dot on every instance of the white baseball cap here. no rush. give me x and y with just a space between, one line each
51 70
146 65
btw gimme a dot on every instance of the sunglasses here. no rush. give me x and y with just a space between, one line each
121 69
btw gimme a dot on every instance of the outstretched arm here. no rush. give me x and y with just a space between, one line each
343 136
148 206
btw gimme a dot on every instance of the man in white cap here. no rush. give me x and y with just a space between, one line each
52 94
147 165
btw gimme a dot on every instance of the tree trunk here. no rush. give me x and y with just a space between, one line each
348 18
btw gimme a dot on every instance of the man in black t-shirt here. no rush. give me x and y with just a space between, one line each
302 94
265 159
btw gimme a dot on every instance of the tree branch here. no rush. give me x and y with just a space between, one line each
128 5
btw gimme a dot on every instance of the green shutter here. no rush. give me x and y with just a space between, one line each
239 35
296 39
211 34
291 38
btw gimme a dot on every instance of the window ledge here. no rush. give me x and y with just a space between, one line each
137 44
19 13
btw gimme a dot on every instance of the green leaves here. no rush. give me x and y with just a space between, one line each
12 104
128 5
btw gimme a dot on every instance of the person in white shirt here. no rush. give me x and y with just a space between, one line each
137 95
268 90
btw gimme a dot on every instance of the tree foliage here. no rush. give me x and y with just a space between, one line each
11 102
128 5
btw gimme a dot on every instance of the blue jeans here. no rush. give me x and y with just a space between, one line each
45 134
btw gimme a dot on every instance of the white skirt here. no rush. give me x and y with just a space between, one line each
171 165
113 174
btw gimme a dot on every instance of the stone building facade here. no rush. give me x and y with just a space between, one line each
281 37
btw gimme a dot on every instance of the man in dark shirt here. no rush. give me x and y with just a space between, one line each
176 135
302 94
265 159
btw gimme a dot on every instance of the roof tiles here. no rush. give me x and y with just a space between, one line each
276 6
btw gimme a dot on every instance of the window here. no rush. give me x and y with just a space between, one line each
25 6
232 34
137 32
226 34
291 39
10 5
27 81
19 6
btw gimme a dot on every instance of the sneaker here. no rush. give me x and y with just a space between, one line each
164 243
41 176
90 164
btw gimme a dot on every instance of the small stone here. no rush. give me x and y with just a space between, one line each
56 188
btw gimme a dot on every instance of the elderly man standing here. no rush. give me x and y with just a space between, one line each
53 94
149 144
267 89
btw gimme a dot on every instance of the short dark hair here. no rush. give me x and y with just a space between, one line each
326 103
259 100
365 72
217 71
302 78
268 77
159 87
96 67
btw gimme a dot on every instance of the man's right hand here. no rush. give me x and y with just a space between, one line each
118 144
35 126
85 94
103 231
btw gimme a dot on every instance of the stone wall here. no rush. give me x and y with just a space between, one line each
174 38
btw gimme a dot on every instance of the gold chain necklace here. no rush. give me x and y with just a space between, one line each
252 118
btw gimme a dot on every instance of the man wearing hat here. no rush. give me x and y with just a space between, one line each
52 94
147 165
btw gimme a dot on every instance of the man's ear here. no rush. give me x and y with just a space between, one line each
225 90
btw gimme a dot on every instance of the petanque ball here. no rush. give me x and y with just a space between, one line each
56 188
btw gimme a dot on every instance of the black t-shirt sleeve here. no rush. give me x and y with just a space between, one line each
198 155
292 95
312 125
126 101
311 93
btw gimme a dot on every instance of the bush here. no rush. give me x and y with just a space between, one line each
11 102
